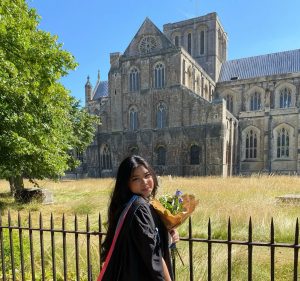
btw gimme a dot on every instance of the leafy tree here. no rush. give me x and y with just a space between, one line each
40 123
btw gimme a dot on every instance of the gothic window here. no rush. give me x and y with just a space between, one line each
133 118
251 145
105 158
161 116
134 80
189 43
159 76
176 41
161 156
195 155
255 102
202 42
285 98
283 143
229 102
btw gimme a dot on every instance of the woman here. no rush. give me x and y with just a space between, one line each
141 250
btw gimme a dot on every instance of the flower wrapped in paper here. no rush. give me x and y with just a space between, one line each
174 210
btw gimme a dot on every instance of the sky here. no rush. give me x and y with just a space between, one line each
92 29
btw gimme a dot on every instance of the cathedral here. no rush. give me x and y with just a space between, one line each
174 98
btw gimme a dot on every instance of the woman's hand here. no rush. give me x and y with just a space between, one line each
174 235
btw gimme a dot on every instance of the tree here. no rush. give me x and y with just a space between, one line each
39 121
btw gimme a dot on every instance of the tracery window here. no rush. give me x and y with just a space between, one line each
255 102
133 119
161 116
195 155
159 76
285 98
134 80
161 156
283 143
105 158
251 145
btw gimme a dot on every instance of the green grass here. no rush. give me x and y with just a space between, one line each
237 198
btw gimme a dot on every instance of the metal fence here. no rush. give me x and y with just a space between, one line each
48 253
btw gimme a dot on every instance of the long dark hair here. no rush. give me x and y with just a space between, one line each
122 194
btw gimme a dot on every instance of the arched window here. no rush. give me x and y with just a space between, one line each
133 119
283 143
159 76
285 99
161 156
195 155
229 102
189 43
176 41
161 116
202 42
251 145
134 80
105 158
255 102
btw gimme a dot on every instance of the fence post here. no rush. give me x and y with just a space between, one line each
250 250
76 249
42 247
229 249
11 244
272 252
21 247
209 250
65 261
100 239
53 247
2 251
191 250
296 250
31 247
88 247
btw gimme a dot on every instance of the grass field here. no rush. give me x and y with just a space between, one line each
219 198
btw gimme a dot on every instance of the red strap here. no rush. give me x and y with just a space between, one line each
117 232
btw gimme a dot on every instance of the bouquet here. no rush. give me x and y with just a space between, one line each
174 210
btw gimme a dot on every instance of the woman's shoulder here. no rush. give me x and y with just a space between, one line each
141 205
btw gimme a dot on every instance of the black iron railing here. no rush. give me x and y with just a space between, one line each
49 253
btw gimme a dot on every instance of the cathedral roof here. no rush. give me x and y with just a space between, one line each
101 90
258 66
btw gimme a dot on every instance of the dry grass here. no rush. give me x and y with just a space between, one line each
219 198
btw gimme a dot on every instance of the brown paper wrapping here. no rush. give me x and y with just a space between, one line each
171 221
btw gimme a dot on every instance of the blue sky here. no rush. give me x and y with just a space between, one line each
92 29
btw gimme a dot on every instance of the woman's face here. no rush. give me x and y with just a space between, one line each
141 182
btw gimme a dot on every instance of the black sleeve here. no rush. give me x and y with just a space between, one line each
146 239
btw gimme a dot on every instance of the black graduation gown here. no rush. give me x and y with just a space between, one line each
141 244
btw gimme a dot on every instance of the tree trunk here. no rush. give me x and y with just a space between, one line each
16 186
